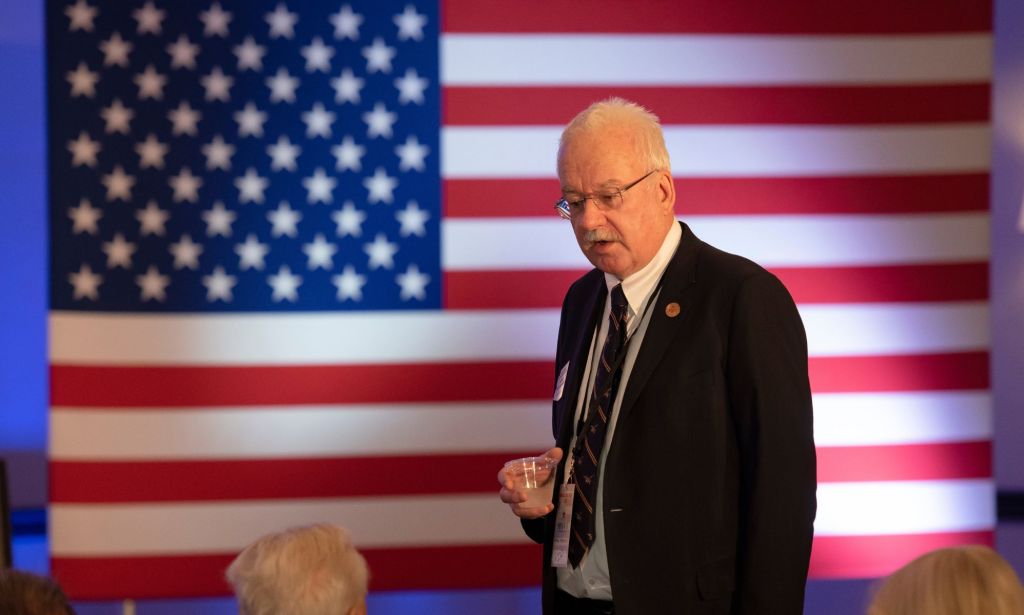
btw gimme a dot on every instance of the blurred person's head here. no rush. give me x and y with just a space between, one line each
311 570
22 593
970 580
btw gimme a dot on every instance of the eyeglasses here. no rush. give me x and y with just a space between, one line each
604 200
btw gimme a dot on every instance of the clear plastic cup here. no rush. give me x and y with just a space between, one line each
535 476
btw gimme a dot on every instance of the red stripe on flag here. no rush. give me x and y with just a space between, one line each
714 16
75 385
903 104
473 290
256 479
951 460
169 387
934 372
249 479
852 557
176 576
501 198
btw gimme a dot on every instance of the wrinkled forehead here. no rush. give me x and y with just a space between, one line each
602 148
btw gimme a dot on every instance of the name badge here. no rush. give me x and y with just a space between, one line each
560 384
563 517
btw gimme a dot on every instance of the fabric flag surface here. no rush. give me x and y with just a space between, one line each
304 265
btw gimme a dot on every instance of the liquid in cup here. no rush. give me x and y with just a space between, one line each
535 476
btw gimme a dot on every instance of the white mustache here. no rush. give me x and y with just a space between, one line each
595 235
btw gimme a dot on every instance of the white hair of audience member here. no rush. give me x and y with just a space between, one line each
311 570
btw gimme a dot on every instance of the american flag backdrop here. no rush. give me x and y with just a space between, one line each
304 265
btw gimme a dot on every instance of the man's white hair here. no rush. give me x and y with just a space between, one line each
620 114
311 570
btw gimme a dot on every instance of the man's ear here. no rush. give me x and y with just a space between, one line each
666 192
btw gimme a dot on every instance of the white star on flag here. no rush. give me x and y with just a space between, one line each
284 220
85 218
152 220
381 252
346 23
186 253
218 153
349 220
318 56
151 84
411 154
119 184
413 283
349 155
250 55
282 86
379 121
86 284
219 285
282 22
285 284
347 87
411 87
318 121
149 18
350 284
320 253
153 285
380 186
81 16
151 153
251 253
183 53
215 21
119 252
185 185
410 24
283 154
83 81
378 56
115 51
320 187
217 85
184 119
117 117
250 121
251 187
84 150
218 220
413 220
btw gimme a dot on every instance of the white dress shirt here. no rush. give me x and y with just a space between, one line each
590 579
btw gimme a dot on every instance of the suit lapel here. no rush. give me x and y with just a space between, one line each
680 276
592 307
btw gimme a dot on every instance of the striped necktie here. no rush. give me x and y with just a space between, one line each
589 442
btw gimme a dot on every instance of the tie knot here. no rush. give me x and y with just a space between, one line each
619 303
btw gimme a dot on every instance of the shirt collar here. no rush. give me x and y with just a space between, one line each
639 285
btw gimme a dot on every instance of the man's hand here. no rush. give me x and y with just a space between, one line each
513 497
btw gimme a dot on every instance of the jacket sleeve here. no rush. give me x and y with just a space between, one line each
770 400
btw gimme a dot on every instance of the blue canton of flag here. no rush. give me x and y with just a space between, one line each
244 156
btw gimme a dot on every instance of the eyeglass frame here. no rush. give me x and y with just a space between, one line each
563 205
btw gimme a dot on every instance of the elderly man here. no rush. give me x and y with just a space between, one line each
311 570
682 397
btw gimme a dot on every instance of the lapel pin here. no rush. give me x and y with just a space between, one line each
672 310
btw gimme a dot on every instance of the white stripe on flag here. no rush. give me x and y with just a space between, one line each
905 507
298 431
772 241
436 337
218 527
272 432
665 60
869 419
736 151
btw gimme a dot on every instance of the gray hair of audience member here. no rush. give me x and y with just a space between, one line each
23 593
620 114
311 570
969 580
